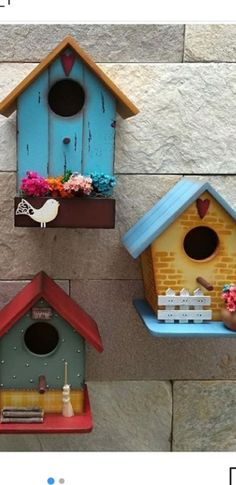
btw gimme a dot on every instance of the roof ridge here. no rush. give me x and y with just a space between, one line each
163 213
125 107
42 286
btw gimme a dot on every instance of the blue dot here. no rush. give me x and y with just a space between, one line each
51 481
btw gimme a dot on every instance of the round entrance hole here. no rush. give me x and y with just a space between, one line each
66 97
201 243
41 338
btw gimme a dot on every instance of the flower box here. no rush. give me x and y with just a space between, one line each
80 212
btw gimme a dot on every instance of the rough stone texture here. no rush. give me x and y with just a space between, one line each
114 43
9 289
128 416
20 443
186 122
11 74
136 194
7 144
187 119
130 352
210 43
204 416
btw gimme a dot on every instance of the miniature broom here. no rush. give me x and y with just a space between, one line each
67 409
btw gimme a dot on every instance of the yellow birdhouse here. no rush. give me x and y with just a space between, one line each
187 244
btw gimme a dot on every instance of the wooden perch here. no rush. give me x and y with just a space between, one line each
204 283
42 384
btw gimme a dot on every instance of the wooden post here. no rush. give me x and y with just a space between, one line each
42 384
198 292
204 283
169 292
184 306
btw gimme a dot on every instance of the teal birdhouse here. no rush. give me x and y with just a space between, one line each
66 117
42 350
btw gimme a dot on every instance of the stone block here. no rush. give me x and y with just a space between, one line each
186 122
11 74
204 416
7 144
136 194
128 416
9 289
20 443
210 43
105 43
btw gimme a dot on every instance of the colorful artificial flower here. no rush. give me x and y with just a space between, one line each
68 185
78 184
229 296
34 185
56 187
103 184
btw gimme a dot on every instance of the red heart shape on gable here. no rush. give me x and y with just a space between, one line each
202 207
67 61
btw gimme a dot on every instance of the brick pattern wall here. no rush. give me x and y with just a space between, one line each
173 268
166 271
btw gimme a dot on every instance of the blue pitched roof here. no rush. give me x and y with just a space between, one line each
162 214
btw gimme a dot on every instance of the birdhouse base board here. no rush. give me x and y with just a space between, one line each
79 212
55 423
179 330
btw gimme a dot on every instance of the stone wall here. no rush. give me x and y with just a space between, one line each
183 79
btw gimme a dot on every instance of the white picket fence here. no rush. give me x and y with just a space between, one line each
184 308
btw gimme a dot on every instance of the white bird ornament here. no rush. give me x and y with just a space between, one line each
48 212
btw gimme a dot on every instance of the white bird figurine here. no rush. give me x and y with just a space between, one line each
48 212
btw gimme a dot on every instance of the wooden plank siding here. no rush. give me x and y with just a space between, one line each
41 131
63 157
99 131
32 128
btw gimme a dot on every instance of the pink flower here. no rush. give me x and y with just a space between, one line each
231 306
229 296
34 185
78 184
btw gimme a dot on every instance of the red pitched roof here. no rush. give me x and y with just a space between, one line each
44 287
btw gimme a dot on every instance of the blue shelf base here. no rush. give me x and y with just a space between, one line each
179 330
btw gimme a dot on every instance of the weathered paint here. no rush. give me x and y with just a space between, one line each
41 131
32 127
65 156
99 134
16 357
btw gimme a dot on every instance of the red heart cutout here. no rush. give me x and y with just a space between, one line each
67 61
202 207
